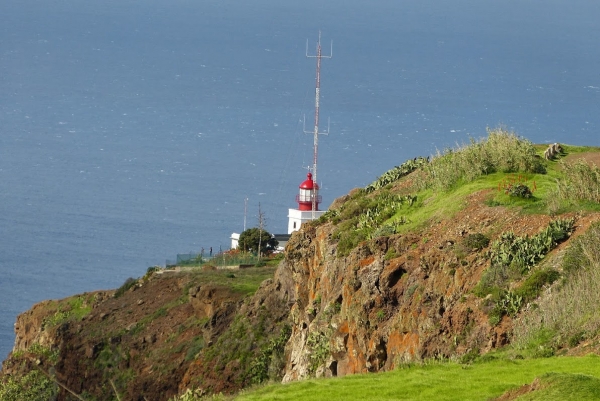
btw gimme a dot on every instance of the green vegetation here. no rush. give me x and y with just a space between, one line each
130 282
245 281
572 314
420 191
70 309
33 386
512 257
501 151
522 253
581 182
439 187
502 161
253 238
476 241
533 285
253 345
565 387
396 173
44 352
318 344
270 357
449 381
367 217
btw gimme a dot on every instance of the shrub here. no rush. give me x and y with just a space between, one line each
130 282
476 241
390 254
532 286
33 386
396 173
574 308
512 256
584 251
581 182
273 350
251 238
501 151
524 252
363 218
318 343
519 190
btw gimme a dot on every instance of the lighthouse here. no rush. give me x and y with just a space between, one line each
308 200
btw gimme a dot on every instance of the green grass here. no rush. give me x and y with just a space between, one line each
509 168
245 281
448 381
438 205
68 309
564 387
432 204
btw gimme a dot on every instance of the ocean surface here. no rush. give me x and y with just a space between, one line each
133 130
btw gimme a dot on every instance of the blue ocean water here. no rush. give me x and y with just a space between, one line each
133 130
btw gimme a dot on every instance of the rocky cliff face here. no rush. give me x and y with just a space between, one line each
391 300
398 298
138 345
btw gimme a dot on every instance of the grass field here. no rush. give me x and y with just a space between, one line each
561 378
245 281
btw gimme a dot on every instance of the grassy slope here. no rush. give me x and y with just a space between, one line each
448 381
434 204
245 281
452 381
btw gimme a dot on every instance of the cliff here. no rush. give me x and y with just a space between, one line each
335 305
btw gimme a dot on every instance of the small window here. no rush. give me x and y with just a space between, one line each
294 224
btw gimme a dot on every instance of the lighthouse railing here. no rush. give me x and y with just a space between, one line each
307 198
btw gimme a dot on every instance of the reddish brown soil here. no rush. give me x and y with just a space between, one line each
518 392
590 157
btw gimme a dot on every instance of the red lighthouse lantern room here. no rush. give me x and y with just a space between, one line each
309 191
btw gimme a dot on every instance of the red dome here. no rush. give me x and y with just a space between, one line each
309 183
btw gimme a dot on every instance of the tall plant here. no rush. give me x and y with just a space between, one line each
501 151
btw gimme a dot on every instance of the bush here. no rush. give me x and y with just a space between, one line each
476 241
363 218
33 386
501 151
574 308
396 173
584 251
130 282
532 286
522 253
251 238
519 190
581 182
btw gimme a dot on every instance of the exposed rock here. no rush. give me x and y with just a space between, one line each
392 300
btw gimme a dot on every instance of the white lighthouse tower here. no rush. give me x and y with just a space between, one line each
307 198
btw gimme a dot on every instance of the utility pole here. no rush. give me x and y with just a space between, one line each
245 212
261 224
316 132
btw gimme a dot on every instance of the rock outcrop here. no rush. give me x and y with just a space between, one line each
395 299
391 300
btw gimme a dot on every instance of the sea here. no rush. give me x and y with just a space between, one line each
134 130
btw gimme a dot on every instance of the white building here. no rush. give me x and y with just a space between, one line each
307 198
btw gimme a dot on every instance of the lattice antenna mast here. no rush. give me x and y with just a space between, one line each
316 132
